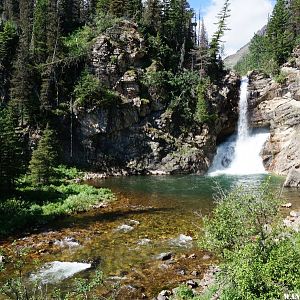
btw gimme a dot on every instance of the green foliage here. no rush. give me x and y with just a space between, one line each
260 259
183 87
239 216
251 274
38 205
183 292
8 39
156 79
202 114
273 48
216 41
89 92
78 43
64 173
11 158
280 78
87 89
44 158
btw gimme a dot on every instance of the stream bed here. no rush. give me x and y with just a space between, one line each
143 242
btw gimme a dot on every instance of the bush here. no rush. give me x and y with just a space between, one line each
183 292
280 78
89 91
259 258
40 204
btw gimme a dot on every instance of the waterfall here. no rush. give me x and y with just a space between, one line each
240 154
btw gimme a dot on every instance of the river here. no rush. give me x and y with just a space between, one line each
152 215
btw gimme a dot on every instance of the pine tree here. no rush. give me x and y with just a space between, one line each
118 7
39 43
10 151
153 16
295 20
134 9
203 52
43 158
102 6
69 15
279 38
21 91
215 44
8 41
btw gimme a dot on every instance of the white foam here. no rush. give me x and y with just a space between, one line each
57 271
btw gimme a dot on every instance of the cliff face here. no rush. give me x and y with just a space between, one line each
141 133
278 106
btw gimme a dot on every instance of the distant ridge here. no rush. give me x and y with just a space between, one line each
232 60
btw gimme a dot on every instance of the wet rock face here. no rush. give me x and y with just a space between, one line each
278 106
138 135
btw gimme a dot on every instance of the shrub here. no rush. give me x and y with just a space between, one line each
89 91
259 258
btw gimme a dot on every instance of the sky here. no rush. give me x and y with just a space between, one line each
247 17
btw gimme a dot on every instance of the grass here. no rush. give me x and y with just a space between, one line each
31 206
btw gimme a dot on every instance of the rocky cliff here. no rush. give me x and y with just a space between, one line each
141 133
277 105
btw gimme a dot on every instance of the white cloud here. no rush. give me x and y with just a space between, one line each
247 17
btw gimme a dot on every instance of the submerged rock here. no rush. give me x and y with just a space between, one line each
164 295
164 256
67 242
124 228
182 241
144 242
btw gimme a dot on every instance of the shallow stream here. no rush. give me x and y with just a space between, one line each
152 215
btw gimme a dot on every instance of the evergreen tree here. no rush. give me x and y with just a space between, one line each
295 20
203 52
215 44
10 151
8 41
134 9
40 30
102 6
153 16
69 15
43 158
215 65
278 36
118 7
21 92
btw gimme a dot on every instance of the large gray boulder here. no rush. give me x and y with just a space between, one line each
293 178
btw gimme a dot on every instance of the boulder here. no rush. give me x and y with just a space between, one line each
293 178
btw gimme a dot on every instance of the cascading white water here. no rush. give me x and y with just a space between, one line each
57 271
240 154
